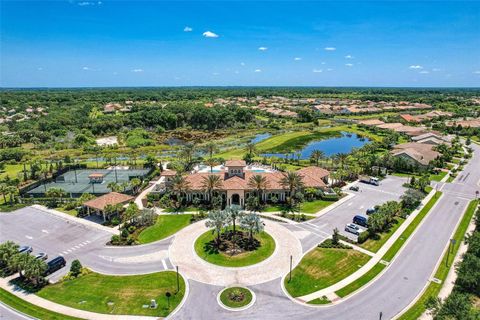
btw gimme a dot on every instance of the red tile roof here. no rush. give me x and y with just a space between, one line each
112 198
235 163
168 172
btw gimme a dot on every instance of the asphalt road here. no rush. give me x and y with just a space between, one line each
409 272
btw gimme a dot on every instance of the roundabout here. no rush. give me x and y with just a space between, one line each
277 245
236 298
239 252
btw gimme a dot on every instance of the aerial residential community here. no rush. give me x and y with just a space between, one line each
257 160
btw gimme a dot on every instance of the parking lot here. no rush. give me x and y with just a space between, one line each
54 235
314 231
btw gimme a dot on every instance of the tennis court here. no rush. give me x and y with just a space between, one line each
75 183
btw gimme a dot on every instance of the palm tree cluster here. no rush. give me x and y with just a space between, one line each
221 220
26 265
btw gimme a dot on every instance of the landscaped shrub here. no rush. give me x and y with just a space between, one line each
363 237
329 244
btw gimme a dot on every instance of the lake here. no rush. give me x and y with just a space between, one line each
331 146
260 137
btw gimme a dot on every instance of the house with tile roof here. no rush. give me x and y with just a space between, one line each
235 187
420 154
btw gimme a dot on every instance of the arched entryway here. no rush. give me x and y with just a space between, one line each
235 199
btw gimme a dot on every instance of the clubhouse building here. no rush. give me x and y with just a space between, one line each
235 187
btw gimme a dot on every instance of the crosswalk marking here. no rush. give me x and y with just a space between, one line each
164 264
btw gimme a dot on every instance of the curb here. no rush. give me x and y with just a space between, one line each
220 303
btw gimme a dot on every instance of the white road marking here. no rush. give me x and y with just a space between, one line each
44 231
164 264
349 204
65 252
77 247
69 250
29 237
361 207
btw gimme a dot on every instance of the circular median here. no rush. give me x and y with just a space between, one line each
237 249
236 298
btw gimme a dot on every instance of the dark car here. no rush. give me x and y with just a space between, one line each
354 188
360 220
25 249
55 264
371 210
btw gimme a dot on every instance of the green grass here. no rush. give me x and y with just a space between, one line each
411 228
227 301
322 300
9 208
30 309
118 294
11 170
186 209
323 267
314 206
360 282
72 212
375 245
165 226
266 249
434 177
433 289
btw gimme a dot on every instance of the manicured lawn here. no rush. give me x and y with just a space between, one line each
227 294
323 267
360 282
118 294
187 209
375 245
433 288
411 228
9 208
11 170
439 176
31 309
315 206
165 226
72 212
247 258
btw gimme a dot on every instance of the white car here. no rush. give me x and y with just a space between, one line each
41 256
353 228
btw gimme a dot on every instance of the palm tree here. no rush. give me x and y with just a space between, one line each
291 181
35 269
7 250
211 163
235 213
188 153
179 185
18 262
217 219
211 183
258 183
251 149
4 191
342 157
252 223
317 155
115 187
135 183
211 148
12 192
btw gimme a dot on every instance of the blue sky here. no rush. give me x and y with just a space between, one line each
156 43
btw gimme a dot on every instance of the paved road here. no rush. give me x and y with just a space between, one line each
390 294
9 314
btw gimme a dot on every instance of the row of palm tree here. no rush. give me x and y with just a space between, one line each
10 191
116 187
25 264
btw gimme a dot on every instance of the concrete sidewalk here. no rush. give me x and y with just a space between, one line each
55 307
376 257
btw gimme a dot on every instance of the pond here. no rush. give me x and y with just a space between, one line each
331 146
260 137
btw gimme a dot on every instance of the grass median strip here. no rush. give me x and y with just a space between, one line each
165 226
373 245
322 267
411 228
360 282
433 288
127 295
32 310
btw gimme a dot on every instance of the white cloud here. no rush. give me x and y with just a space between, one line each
215 73
258 70
188 29
297 58
210 34
329 69
317 70
236 72
424 72
476 71
348 56
323 62
89 3
137 70
39 68
86 68
415 67
330 48
349 64
242 63
436 69
263 48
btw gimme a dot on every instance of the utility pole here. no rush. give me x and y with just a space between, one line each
178 281
290 273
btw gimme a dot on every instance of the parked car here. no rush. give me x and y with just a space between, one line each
55 264
41 256
354 188
352 228
25 249
369 180
360 220
370 211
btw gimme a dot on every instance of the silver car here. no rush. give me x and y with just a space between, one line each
353 228
41 256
